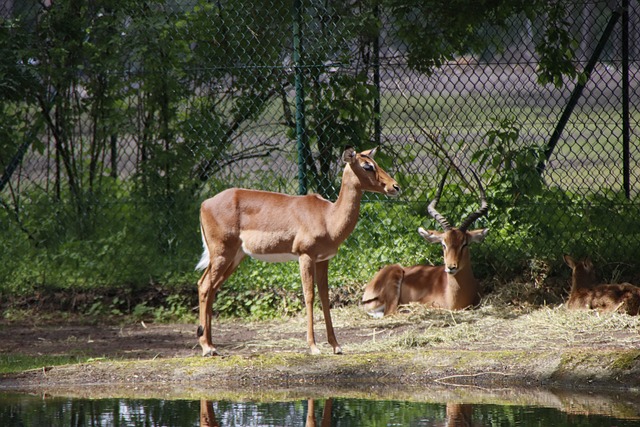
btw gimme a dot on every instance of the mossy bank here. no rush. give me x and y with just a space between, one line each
490 347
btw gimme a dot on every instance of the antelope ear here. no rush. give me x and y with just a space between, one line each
371 153
568 259
430 236
478 235
349 155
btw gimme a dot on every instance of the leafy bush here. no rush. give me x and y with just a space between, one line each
50 250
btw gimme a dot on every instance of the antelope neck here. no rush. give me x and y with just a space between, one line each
344 213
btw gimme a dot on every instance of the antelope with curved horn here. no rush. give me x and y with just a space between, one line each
450 286
588 295
278 227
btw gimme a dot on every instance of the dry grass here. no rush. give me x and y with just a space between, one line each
514 316
490 328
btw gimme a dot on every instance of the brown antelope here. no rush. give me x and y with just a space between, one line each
450 286
587 294
278 227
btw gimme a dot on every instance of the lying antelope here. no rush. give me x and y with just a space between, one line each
587 294
450 286
278 227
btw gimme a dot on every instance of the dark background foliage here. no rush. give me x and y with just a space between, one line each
118 117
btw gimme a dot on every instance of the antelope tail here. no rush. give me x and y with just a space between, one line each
204 258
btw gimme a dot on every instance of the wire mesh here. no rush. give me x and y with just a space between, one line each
120 117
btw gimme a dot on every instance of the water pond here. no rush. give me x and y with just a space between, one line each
508 408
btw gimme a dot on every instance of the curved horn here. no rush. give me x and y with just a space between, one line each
432 206
482 211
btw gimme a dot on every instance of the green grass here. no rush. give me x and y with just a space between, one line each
19 363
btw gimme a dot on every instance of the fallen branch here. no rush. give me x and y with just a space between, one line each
443 381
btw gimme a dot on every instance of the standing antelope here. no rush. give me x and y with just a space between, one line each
587 294
278 227
450 286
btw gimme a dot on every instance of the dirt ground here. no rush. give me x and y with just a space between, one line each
489 347
144 340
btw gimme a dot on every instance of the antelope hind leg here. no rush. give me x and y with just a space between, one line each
322 279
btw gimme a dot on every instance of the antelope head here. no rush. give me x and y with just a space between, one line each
371 176
455 240
583 273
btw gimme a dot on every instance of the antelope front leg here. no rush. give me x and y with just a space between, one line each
307 274
322 279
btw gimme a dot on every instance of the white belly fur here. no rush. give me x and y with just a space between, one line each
256 244
281 257
273 257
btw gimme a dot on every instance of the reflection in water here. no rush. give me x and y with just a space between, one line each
326 413
207 416
29 410
459 415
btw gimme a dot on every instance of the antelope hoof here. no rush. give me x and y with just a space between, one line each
209 352
376 314
337 350
314 350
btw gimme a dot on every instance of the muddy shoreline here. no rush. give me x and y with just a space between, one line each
482 349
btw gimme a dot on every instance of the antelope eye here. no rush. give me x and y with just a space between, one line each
368 166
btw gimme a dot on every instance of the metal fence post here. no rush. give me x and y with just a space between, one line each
300 115
376 81
577 91
625 99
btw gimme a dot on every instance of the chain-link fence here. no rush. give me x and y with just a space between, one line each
120 117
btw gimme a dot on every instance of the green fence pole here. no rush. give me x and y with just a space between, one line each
625 99
376 81
300 119
577 92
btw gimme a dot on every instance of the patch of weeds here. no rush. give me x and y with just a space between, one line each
13 363
626 360
413 339
573 362
21 315
176 309
102 308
